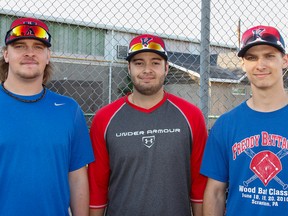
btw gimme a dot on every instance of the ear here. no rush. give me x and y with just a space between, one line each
129 69
48 56
166 68
5 56
285 61
243 65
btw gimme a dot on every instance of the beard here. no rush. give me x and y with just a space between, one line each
148 89
28 72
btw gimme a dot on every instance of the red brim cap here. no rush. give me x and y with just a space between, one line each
10 38
147 43
261 35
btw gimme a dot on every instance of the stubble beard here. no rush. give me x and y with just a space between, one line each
27 73
148 90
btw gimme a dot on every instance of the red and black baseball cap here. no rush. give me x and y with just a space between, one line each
147 43
261 35
28 28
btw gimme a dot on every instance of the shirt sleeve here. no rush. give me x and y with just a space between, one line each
81 148
99 170
199 137
215 161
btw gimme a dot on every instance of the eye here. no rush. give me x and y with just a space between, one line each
250 58
138 63
270 56
19 46
39 47
156 63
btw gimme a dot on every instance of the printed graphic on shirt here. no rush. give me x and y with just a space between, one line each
148 137
265 165
148 141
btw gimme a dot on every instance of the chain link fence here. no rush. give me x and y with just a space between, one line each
90 41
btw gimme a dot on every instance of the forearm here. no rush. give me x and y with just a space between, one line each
97 212
214 198
197 209
79 190
214 207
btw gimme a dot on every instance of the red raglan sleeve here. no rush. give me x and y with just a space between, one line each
199 135
99 170
199 138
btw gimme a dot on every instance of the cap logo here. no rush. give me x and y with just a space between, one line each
30 32
145 41
257 33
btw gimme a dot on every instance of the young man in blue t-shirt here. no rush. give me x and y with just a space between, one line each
44 140
247 147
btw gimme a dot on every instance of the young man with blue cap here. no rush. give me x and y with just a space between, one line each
148 144
44 139
247 148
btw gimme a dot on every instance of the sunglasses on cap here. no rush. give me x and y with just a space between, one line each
150 46
27 31
261 35
265 38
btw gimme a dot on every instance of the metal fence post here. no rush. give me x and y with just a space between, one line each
205 58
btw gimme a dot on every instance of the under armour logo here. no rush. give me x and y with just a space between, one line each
148 141
257 33
146 41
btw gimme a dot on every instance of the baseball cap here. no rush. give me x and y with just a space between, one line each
24 28
147 43
261 35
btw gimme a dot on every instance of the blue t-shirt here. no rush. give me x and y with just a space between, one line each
249 151
40 143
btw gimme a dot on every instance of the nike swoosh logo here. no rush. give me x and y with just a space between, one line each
59 104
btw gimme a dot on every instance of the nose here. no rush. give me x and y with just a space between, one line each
261 63
147 68
29 50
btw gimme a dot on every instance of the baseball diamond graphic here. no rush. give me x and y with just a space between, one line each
266 165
